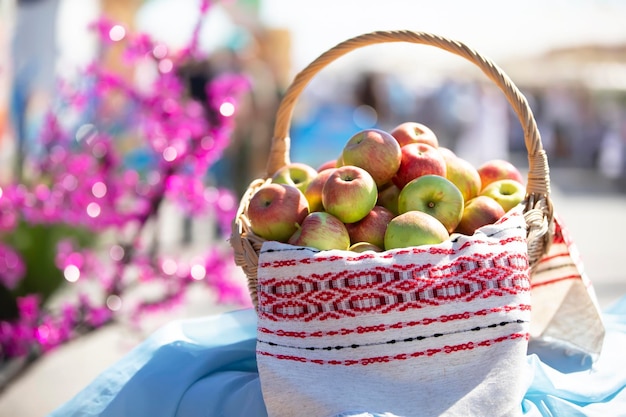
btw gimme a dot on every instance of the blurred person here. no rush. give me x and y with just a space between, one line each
612 153
370 94
33 59
486 133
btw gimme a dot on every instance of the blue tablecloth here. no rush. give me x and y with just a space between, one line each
207 367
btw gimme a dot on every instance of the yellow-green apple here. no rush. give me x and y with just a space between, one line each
410 132
498 169
374 150
313 192
275 210
332 163
508 193
435 195
419 159
361 247
388 198
372 227
296 174
479 211
349 193
414 228
323 231
462 174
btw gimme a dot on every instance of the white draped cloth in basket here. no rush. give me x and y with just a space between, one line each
429 331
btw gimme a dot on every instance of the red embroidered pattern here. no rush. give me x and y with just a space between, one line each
282 263
561 263
396 326
447 349
354 290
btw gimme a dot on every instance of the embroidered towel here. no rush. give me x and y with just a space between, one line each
566 317
438 330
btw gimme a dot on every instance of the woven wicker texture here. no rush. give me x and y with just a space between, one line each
538 211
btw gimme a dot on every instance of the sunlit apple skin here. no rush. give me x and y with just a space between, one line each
326 165
418 159
462 174
414 228
411 132
296 174
361 247
374 150
313 192
436 196
388 198
446 152
498 169
323 231
349 193
479 211
508 193
371 228
275 210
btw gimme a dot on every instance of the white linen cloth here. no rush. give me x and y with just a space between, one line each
437 330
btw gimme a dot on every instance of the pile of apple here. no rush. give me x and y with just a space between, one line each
386 190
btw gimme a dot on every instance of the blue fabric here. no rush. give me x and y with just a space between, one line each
207 367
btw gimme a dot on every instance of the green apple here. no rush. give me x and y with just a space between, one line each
349 193
508 193
388 198
313 192
479 211
418 159
322 231
275 210
296 174
414 228
498 169
372 227
462 174
436 196
361 247
374 150
411 132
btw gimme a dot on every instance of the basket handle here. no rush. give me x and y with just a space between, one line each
538 183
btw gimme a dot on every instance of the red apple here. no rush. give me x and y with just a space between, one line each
275 210
313 192
374 150
434 195
498 169
462 174
508 193
419 159
328 164
411 132
322 231
361 247
447 152
349 193
479 211
296 174
414 228
388 198
372 227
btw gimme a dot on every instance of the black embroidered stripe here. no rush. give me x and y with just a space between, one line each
393 341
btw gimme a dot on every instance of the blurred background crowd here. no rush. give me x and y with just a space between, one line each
573 76
567 57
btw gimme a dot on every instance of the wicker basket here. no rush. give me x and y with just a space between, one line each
538 207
